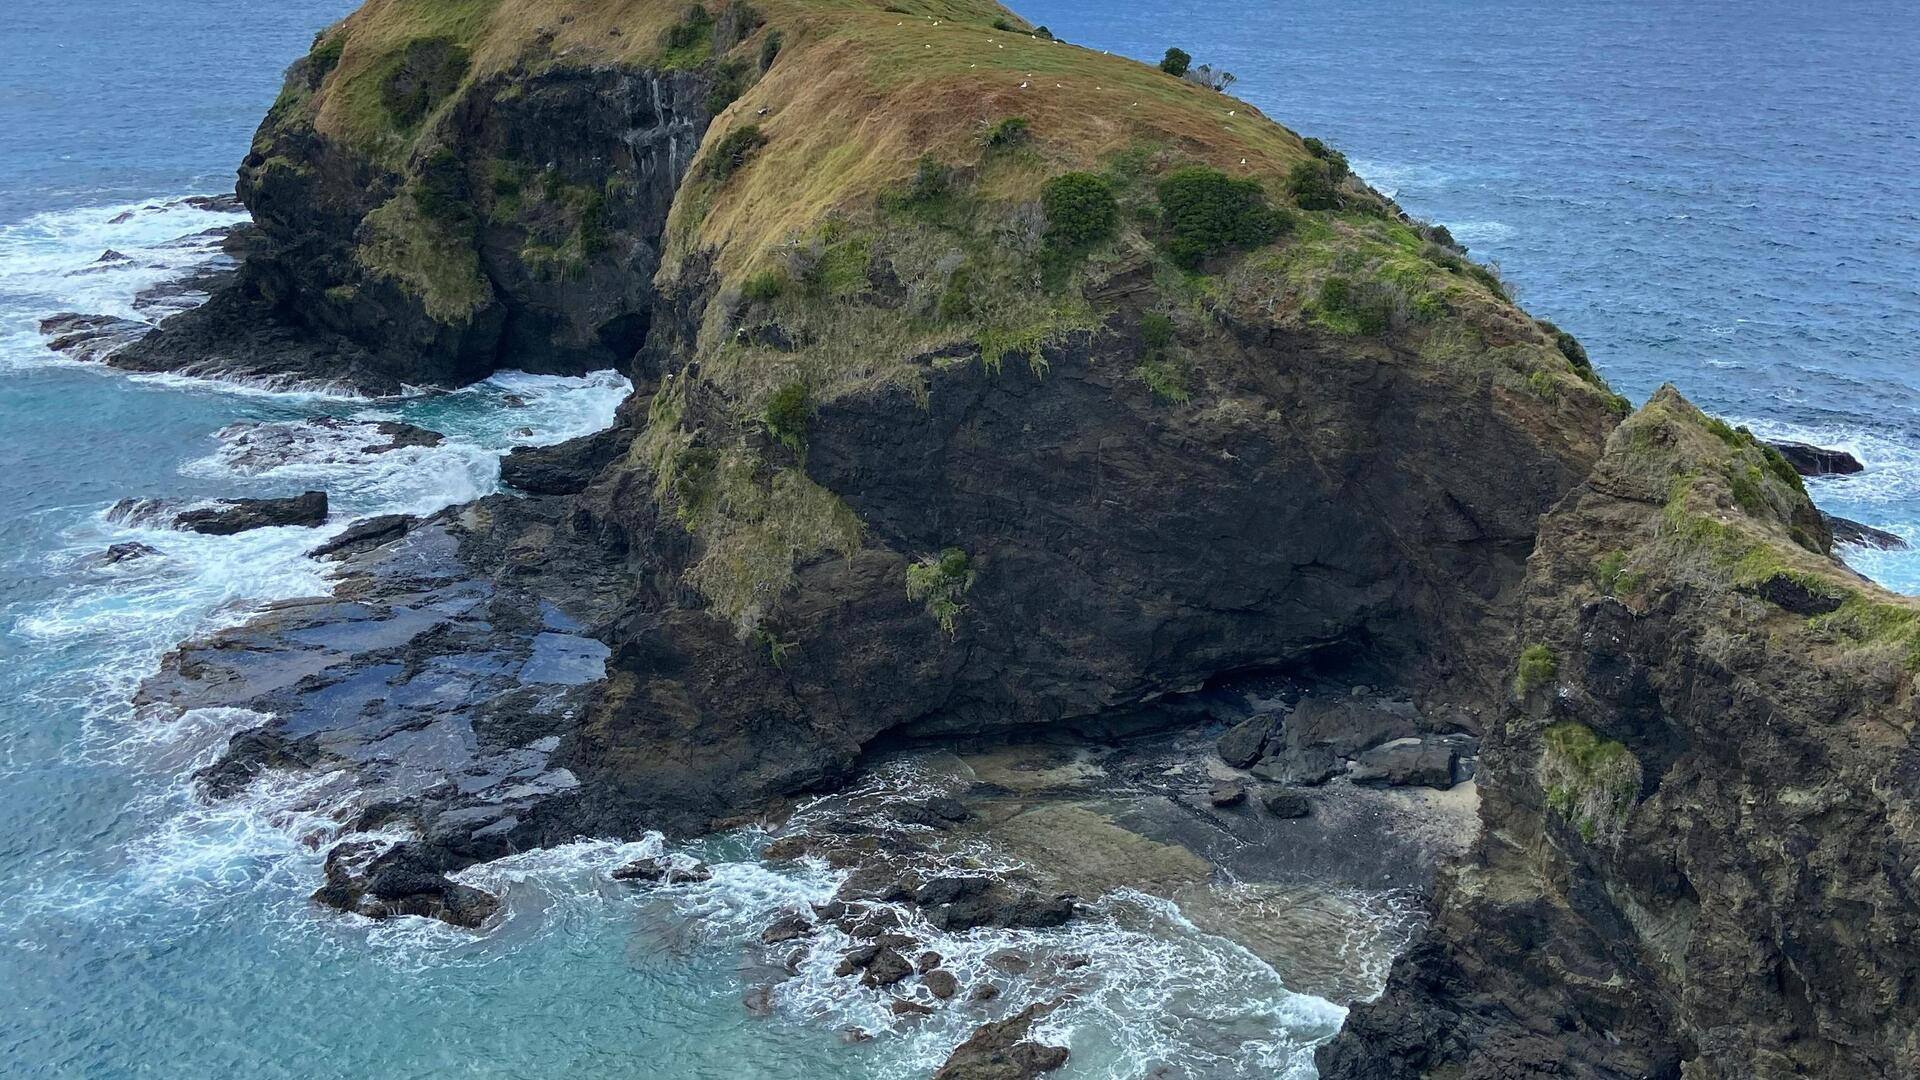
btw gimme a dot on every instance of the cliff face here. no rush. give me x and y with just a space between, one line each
984 384
1700 851
426 217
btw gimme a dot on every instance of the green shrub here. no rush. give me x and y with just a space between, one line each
787 412
695 29
1081 210
1590 781
1313 185
1369 308
1166 377
1156 330
941 581
324 58
1336 161
932 181
1004 26
1043 32
764 287
1176 62
1009 132
956 298
1536 668
770 48
440 190
1207 211
732 152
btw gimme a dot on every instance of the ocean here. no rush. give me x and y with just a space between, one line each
1714 195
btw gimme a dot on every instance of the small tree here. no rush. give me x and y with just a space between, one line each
1208 211
787 412
1313 187
1080 210
1175 62
732 152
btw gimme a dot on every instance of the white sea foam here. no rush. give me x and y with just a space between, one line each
53 257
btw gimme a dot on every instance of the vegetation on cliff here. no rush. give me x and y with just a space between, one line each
1697 853
885 184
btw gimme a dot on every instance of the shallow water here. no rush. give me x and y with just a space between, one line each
1711 196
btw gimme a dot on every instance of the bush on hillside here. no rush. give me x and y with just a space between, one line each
732 152
1009 132
1175 62
1336 161
1313 186
786 414
1080 210
1207 211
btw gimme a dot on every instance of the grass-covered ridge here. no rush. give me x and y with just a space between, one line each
887 181
1732 520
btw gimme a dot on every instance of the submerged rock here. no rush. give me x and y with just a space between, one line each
366 878
660 870
130 550
1002 1051
306 510
1848 531
365 536
1227 793
90 337
1810 460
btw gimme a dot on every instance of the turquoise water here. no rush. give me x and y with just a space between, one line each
1714 196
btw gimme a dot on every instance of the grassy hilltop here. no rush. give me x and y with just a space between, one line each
925 135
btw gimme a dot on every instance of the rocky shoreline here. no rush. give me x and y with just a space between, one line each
1203 527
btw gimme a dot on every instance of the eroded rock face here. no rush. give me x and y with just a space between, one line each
308 302
1701 843
306 510
1810 460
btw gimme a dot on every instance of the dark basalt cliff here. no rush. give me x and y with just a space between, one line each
1700 856
964 410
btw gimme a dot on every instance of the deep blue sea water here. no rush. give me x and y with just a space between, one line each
1719 195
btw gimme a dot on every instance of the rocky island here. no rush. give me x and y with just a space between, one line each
994 391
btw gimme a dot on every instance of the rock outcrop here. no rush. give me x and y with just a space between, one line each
1701 856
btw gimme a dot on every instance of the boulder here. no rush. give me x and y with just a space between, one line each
1848 531
366 879
787 928
1810 460
306 510
1001 1051
365 536
663 871
90 337
564 468
1286 803
1420 764
132 549
941 983
1227 793
1243 743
